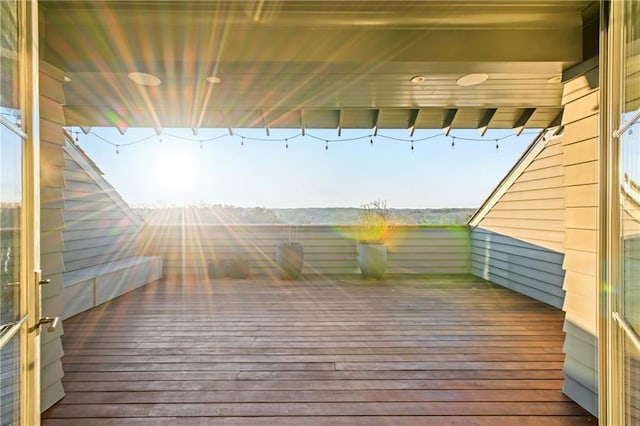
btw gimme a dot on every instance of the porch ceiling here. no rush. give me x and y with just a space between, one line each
314 64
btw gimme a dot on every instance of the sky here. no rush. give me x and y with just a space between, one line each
180 168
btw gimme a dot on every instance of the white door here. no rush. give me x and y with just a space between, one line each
19 248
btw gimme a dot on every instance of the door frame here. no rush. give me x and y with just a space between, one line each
30 235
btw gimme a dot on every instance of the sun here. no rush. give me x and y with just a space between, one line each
175 172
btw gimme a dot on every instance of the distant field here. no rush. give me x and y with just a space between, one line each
216 214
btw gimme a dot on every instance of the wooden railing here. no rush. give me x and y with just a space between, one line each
186 250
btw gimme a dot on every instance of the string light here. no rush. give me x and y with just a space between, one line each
117 149
77 140
201 142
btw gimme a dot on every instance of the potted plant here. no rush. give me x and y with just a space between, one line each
290 256
236 267
375 222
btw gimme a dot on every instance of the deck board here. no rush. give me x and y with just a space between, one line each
430 350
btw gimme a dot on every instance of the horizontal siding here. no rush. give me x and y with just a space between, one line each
521 266
327 249
52 140
580 160
102 250
581 349
90 215
532 209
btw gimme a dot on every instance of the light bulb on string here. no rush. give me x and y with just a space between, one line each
326 145
286 143
242 141
497 146
117 149
159 138
371 140
412 145
453 142
200 144
77 136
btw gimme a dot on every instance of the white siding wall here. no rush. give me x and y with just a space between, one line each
101 251
533 207
580 162
99 226
553 206
327 249
51 198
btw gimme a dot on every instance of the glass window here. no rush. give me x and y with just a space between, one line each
10 209
629 163
10 382
9 62
631 59
10 212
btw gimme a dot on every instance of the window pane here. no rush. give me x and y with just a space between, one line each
9 54
631 57
10 208
630 206
10 382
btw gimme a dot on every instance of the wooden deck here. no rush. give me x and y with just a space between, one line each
439 350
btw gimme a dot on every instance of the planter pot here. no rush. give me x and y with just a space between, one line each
290 260
236 268
373 260
215 269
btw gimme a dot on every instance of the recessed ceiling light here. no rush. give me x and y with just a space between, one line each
67 78
555 78
472 79
144 79
417 79
213 79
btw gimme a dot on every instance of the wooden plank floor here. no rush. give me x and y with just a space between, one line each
436 350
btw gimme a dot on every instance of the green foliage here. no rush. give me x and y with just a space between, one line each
375 221
213 214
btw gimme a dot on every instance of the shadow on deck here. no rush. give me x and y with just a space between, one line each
407 350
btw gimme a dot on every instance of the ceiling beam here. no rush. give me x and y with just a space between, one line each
448 120
121 126
557 120
522 121
413 117
228 122
376 117
486 119
265 123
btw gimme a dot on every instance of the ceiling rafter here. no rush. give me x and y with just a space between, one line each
413 118
376 118
448 120
486 120
227 121
522 120
265 123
